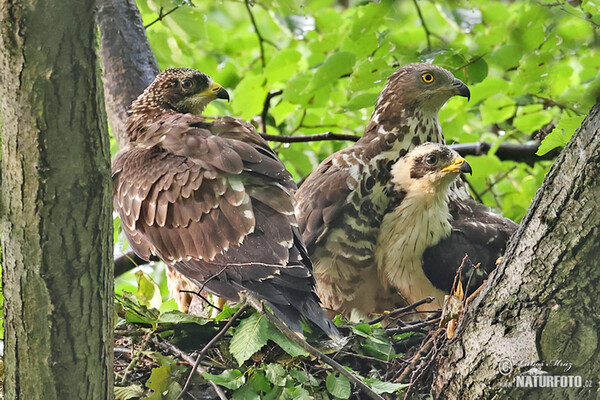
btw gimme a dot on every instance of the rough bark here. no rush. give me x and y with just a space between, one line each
542 305
56 204
127 60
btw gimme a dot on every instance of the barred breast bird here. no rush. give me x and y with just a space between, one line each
212 200
342 204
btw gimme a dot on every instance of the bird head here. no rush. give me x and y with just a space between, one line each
184 90
428 169
426 86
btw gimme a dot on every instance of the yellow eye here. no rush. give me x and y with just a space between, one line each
427 77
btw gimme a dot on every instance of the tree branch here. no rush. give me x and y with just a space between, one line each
265 111
161 16
260 38
171 348
310 138
128 63
428 33
210 344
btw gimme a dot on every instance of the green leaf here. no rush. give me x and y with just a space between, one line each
337 64
560 135
148 292
227 312
478 71
380 387
338 385
282 66
285 343
363 100
497 108
128 392
276 374
532 117
176 317
362 329
230 378
245 393
259 382
248 96
159 379
250 336
296 393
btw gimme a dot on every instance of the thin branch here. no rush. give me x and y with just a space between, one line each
260 38
265 111
424 25
310 138
413 327
166 346
551 103
128 261
471 62
161 16
402 310
311 350
491 185
428 33
208 346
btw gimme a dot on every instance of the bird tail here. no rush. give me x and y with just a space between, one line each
312 312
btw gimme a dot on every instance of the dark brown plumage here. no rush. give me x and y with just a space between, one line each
342 204
212 200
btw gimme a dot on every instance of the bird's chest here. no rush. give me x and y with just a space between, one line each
406 232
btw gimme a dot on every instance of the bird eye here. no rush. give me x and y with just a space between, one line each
427 77
187 84
431 159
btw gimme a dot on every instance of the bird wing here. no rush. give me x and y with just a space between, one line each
214 202
339 225
476 232
322 200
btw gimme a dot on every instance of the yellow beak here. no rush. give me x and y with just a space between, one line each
215 91
459 165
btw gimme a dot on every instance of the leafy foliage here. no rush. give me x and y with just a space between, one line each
533 70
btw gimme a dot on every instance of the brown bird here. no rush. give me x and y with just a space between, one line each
342 204
212 200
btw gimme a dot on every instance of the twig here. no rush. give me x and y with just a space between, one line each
161 16
311 350
260 38
416 358
310 138
413 327
208 346
199 294
471 62
135 358
402 310
187 358
428 33
265 111
491 185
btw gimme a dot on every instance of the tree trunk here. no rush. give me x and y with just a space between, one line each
539 312
127 60
56 204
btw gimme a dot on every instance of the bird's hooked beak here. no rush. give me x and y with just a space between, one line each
216 91
459 165
461 89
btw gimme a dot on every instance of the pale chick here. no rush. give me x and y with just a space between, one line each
420 218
